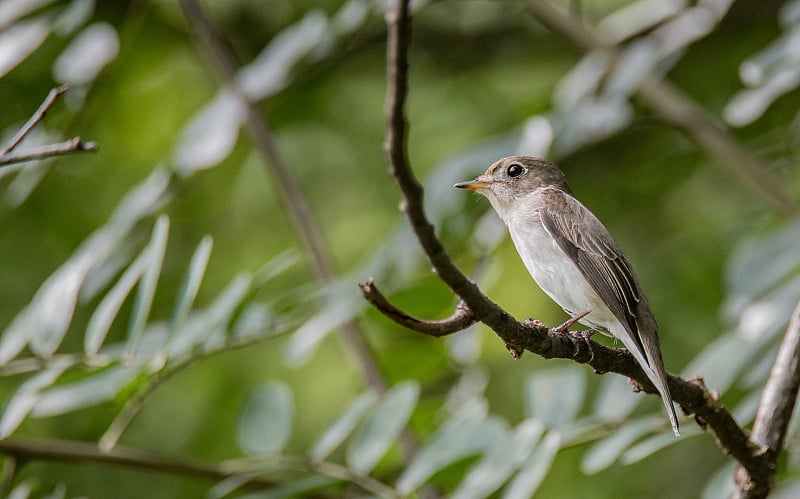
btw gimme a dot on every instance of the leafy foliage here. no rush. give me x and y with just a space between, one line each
140 297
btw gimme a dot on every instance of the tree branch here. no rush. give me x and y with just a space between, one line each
83 452
533 336
306 226
461 319
677 108
74 145
774 411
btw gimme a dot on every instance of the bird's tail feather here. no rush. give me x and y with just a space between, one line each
653 367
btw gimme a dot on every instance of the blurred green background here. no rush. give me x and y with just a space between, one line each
479 69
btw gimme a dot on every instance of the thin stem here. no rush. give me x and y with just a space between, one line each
306 226
74 145
74 451
775 409
461 318
34 120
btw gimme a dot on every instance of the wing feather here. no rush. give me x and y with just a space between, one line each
596 254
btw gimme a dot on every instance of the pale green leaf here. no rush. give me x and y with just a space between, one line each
465 435
721 483
382 427
266 421
147 285
26 397
109 307
720 362
555 396
200 325
191 282
533 472
655 443
502 459
615 399
343 427
99 387
605 452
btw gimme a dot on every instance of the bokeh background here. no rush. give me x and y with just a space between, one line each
261 368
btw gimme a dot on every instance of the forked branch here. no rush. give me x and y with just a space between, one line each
9 155
531 335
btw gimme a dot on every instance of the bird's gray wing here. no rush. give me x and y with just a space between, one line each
588 243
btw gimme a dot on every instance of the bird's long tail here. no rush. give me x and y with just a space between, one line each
653 367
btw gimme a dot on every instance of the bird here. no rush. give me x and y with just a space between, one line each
574 259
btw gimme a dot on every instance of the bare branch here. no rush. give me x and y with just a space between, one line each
461 319
532 335
34 120
83 452
72 146
775 410
306 226
677 108
74 451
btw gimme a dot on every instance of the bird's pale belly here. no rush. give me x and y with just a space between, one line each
561 279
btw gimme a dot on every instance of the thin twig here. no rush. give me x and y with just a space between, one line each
34 120
75 451
305 224
679 109
461 318
533 336
775 410
74 145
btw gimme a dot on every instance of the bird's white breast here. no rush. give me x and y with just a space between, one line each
555 272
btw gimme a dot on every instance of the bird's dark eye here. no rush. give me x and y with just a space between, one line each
515 170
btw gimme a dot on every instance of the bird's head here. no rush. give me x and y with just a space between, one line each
514 178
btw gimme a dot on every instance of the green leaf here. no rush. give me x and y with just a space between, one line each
199 326
26 397
603 453
555 396
147 285
463 436
504 457
532 473
109 307
98 387
380 430
304 342
266 421
655 443
343 427
615 399
721 362
191 282
721 483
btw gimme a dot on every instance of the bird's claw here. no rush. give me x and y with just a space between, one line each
563 328
575 335
582 335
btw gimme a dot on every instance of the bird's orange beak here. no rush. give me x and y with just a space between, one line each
473 185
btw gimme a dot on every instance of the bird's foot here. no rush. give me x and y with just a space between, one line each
574 336
563 328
